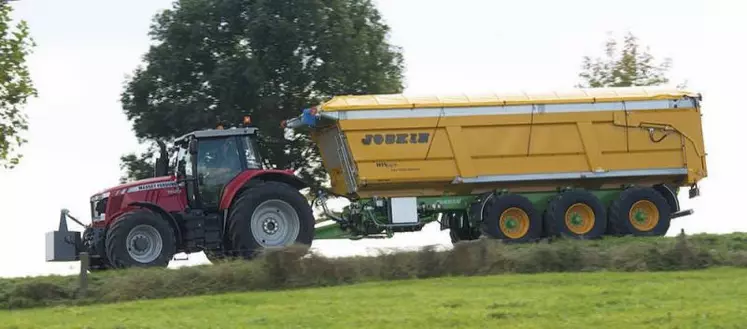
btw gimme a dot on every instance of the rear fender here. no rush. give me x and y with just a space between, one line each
249 178
670 194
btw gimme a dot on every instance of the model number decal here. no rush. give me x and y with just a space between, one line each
393 166
403 138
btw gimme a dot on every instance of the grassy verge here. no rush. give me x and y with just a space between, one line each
710 298
283 269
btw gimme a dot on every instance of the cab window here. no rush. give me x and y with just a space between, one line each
218 161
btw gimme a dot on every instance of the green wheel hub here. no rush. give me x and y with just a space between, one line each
514 223
576 219
640 216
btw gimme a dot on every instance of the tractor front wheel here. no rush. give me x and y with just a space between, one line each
269 215
140 238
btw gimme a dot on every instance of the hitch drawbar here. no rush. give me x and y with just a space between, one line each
63 245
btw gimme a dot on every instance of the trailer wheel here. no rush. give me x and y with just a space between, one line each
641 211
576 214
140 238
511 218
271 214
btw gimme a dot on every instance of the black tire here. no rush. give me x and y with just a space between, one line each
497 205
555 215
620 208
97 251
116 236
240 230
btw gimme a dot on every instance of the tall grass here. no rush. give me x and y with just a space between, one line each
293 267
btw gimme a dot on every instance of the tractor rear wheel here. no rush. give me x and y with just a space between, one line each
140 238
269 215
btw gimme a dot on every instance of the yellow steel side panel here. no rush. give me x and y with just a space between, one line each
420 171
590 145
393 150
643 160
337 180
684 134
530 165
462 156
559 138
491 136
575 95
521 144
610 138
363 144
441 146
568 138
493 141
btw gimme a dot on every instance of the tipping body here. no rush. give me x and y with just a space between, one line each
392 145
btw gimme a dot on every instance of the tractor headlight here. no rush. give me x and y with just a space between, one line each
98 207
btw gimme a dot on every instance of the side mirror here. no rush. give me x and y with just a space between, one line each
162 162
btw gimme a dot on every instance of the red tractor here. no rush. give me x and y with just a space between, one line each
220 198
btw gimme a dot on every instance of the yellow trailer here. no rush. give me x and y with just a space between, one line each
513 166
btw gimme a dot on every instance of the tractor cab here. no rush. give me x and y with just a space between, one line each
207 160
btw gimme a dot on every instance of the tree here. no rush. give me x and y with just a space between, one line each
137 167
220 60
629 66
16 86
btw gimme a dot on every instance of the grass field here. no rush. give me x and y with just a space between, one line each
286 269
712 298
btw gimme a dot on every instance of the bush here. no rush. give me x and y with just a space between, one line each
294 267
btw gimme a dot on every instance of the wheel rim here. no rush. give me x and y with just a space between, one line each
579 218
514 223
275 223
644 215
144 243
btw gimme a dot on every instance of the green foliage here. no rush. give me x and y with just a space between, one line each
285 268
136 167
220 60
631 65
16 86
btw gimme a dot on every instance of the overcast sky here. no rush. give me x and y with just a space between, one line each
85 49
